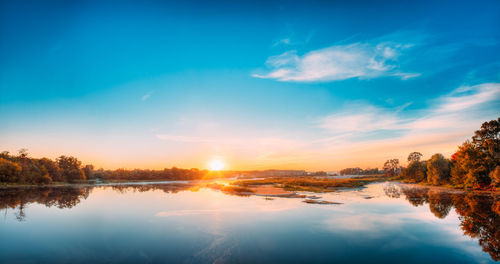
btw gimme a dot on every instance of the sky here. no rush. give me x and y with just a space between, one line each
315 85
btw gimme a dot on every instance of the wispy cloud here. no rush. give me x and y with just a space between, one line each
469 96
448 111
360 132
338 62
146 96
371 118
282 41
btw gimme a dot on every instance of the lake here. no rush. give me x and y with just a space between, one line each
180 222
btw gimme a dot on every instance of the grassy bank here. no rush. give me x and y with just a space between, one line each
312 184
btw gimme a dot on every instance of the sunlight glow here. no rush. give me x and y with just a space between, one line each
216 165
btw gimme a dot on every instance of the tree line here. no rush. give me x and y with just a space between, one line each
476 164
23 169
358 171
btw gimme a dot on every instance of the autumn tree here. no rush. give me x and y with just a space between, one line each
88 170
414 156
391 167
70 168
495 176
415 172
438 169
9 171
52 169
475 160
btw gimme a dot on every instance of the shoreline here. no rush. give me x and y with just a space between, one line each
257 190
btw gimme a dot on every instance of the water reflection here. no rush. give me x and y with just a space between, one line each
63 197
479 214
68 197
186 222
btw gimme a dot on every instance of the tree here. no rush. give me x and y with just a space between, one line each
23 153
39 175
487 139
469 166
414 156
415 172
9 171
70 168
475 160
88 170
438 169
391 167
495 177
52 169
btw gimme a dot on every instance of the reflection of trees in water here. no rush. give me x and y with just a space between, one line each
416 196
440 203
167 188
392 191
67 197
61 197
479 214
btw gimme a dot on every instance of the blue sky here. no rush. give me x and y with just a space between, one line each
282 84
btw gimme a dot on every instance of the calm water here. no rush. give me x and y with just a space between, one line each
180 223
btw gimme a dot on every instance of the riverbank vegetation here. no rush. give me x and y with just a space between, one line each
359 171
23 170
311 184
476 164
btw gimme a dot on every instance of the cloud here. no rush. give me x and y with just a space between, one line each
339 62
283 41
360 134
146 96
352 120
448 111
368 134
468 96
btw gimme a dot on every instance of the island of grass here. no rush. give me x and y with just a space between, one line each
308 184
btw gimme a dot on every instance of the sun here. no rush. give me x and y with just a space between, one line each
216 165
